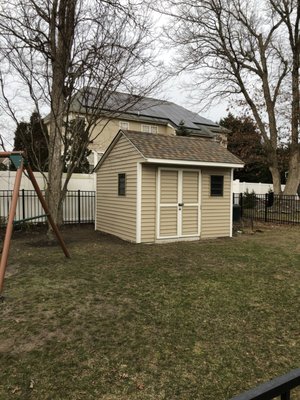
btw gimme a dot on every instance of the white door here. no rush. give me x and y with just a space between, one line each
178 204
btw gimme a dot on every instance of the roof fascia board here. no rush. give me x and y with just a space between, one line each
193 163
143 116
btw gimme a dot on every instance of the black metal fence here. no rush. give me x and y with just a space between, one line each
78 206
269 207
278 387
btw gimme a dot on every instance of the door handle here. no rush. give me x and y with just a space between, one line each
180 204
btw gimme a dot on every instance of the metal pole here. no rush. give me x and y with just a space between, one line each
9 227
78 204
45 207
266 208
241 204
23 203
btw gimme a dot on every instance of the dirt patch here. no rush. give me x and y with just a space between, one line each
13 346
79 234
12 269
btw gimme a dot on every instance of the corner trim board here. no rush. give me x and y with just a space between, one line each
231 202
138 202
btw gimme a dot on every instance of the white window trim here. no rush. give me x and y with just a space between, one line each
124 122
150 128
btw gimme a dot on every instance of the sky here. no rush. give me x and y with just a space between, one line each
173 90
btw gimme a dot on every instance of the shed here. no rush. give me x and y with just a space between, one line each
154 188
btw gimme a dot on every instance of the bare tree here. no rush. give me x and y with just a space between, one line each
238 49
72 56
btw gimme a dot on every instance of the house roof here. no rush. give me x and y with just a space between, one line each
146 108
156 148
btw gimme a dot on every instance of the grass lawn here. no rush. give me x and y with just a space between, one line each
196 320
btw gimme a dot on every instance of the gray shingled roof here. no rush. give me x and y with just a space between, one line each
148 108
180 148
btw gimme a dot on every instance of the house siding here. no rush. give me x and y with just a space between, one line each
215 211
105 131
117 214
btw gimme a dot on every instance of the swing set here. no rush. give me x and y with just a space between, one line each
21 164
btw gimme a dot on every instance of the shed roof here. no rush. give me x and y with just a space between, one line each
156 148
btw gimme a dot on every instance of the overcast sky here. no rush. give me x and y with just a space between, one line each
174 90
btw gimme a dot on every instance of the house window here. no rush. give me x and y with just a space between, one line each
216 185
149 129
121 184
124 125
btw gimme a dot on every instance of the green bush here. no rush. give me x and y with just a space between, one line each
249 199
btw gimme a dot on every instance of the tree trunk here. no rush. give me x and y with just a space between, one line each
294 174
55 173
276 179
61 39
271 149
55 146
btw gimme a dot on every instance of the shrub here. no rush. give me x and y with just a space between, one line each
249 199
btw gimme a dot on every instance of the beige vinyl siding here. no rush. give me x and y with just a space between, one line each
168 186
190 220
190 196
148 217
168 222
215 211
190 187
105 131
117 214
168 218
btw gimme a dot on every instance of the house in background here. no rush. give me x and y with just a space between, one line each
160 187
143 114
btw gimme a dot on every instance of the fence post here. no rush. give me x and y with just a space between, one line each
241 204
266 207
79 215
23 204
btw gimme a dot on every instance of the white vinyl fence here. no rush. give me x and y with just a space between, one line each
258 188
77 182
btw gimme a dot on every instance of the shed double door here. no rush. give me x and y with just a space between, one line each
178 203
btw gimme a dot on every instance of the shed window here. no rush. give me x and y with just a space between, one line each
216 185
121 184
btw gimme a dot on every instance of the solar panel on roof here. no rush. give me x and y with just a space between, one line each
150 107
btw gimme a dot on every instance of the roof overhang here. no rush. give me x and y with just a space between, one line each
193 163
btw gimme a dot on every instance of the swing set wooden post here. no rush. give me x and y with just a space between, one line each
21 164
10 225
46 209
